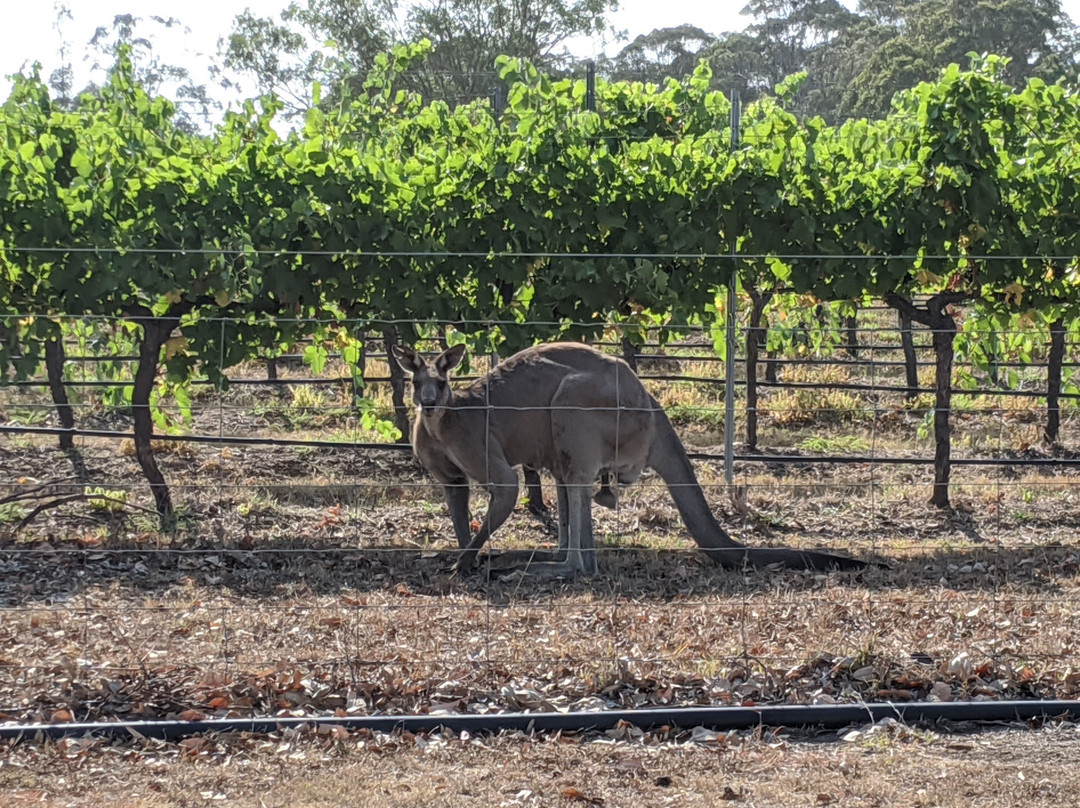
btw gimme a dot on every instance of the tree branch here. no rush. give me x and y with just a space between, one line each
83 496
938 302
933 310
904 306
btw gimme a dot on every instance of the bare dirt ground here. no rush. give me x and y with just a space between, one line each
311 581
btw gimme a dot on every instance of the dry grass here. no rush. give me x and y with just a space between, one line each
886 766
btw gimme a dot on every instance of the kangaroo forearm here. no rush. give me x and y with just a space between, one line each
500 506
457 500
564 517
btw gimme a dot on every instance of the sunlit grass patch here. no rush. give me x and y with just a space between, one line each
805 406
834 444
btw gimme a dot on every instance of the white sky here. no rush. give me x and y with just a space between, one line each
28 32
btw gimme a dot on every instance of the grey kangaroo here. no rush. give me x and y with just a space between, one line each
580 414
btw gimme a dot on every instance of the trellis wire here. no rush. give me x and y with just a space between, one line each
232 440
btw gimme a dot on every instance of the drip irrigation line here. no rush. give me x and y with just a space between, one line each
779 385
841 361
426 484
869 388
795 460
220 439
209 383
238 603
1063 462
828 716
377 324
839 346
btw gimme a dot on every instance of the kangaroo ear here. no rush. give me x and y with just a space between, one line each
407 358
450 358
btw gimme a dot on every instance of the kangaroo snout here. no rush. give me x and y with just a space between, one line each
428 401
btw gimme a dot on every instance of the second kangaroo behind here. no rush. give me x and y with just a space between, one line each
578 413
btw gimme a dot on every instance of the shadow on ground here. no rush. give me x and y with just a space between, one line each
35 575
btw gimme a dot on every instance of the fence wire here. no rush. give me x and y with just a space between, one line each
308 570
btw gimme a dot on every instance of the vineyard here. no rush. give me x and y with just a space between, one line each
866 337
546 221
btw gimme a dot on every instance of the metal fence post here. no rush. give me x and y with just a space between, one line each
590 86
729 359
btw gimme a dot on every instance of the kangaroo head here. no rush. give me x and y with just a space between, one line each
431 378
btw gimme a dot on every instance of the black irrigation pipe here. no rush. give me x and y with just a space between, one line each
917 329
795 460
386 379
404 447
374 325
828 716
841 358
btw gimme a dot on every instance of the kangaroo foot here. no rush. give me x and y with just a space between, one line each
544 516
538 563
504 561
537 507
465 563
546 563
510 560
606 498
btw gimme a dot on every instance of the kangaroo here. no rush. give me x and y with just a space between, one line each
580 414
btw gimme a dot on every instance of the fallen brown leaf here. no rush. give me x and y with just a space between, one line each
574 795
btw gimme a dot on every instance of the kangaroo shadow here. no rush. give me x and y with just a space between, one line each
44 575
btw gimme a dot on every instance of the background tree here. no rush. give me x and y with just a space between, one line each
663 52
466 37
856 61
925 35
738 63
135 35
789 31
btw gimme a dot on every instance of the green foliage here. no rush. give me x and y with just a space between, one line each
371 422
552 221
108 500
11 512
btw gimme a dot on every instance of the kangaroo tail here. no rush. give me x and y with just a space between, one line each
668 457
737 558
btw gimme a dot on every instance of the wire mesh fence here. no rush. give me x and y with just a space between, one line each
309 569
